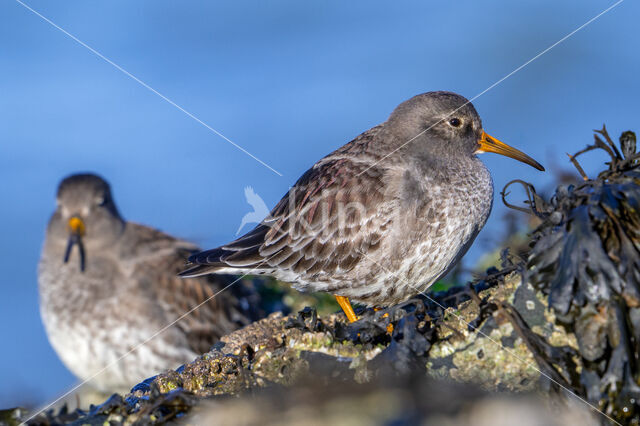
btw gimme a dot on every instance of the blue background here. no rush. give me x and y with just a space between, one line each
288 80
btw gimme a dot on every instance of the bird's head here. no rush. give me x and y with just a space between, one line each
445 123
85 216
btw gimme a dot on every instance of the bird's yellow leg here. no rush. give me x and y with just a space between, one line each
346 307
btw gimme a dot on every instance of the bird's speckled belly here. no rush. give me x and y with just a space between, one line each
464 210
433 240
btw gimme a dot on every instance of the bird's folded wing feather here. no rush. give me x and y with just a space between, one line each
324 224
335 212
204 309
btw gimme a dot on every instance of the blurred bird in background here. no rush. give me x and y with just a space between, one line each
108 285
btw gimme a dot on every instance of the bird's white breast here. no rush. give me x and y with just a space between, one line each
94 333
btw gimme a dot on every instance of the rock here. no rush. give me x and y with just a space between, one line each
463 334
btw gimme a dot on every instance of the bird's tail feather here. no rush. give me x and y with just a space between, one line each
197 270
240 256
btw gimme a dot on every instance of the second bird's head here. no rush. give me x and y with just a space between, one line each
446 124
85 218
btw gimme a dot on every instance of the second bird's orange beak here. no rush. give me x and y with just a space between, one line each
490 144
76 232
76 226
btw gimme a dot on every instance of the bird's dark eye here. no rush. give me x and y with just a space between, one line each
455 122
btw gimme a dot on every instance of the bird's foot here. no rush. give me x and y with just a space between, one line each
390 325
386 315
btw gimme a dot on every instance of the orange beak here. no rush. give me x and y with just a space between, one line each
76 225
77 230
490 144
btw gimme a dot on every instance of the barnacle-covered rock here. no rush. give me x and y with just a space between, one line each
11 417
468 334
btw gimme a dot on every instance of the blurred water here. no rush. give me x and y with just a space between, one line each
287 80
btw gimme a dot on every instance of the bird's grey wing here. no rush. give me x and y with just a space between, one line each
333 214
212 311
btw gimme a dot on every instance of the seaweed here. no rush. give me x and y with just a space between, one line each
585 258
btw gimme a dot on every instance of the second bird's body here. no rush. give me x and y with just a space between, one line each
112 305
